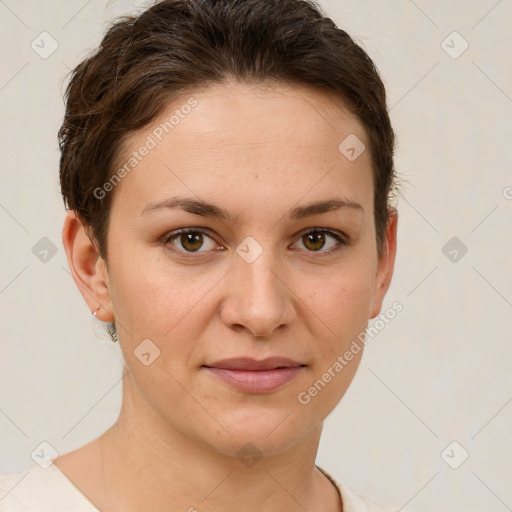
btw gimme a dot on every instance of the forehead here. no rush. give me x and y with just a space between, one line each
264 110
226 136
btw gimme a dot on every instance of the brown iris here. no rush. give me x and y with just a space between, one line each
317 240
191 241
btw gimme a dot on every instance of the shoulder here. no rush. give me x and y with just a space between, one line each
10 499
40 490
355 502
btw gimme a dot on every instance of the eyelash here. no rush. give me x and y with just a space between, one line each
341 241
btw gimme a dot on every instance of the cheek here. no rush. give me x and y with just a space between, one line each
171 309
152 297
165 306
342 302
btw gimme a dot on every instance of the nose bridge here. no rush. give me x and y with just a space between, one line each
257 298
260 277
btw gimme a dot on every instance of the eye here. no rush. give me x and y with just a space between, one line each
190 240
316 239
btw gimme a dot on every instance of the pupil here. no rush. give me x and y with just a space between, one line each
186 238
320 240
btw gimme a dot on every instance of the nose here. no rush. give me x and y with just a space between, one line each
258 298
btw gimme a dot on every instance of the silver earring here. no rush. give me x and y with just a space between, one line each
95 311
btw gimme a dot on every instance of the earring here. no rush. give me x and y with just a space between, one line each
95 311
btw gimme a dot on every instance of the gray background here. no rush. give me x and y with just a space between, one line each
439 372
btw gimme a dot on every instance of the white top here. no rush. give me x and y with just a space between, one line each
49 490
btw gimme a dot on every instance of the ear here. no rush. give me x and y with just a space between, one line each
87 267
385 265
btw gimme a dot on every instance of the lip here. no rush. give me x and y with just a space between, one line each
248 363
256 376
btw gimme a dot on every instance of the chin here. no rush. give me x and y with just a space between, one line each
257 433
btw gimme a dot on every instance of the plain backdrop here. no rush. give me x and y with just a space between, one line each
426 422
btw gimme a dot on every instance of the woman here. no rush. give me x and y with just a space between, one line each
227 167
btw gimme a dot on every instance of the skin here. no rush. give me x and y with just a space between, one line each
257 151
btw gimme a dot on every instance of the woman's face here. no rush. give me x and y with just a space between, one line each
247 281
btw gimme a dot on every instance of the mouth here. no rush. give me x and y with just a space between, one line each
249 364
256 376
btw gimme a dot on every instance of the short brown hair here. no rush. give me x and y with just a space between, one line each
178 45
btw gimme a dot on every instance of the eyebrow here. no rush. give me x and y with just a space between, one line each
205 209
